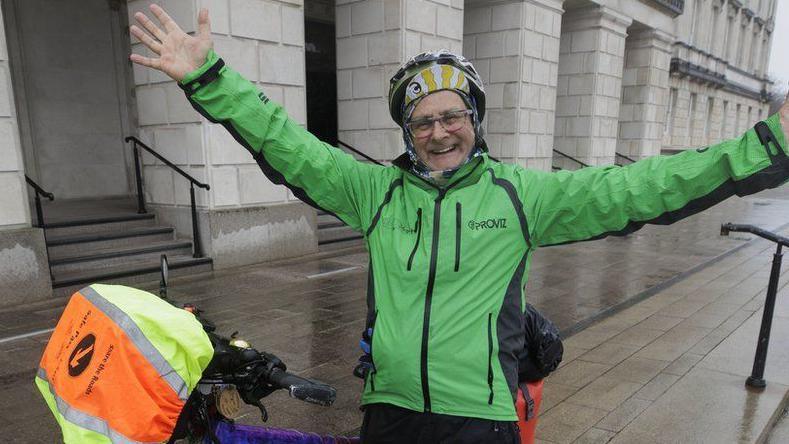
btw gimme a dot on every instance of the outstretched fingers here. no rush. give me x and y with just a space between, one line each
150 26
203 23
145 61
152 44
166 21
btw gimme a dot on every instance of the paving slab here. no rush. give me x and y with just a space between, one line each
686 384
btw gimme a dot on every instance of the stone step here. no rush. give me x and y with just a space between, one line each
327 220
99 224
109 257
337 234
349 246
130 274
63 246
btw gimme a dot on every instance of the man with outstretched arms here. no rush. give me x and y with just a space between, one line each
449 230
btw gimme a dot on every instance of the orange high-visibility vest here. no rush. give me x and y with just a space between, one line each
120 365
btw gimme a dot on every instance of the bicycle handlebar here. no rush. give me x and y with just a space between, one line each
745 228
302 388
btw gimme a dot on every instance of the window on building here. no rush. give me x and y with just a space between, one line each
692 119
672 103
708 120
750 118
725 128
739 55
737 119
716 14
728 40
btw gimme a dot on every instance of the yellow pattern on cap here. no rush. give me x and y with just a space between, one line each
435 78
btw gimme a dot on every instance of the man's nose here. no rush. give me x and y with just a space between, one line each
438 130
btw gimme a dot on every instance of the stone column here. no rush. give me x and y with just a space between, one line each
374 37
680 132
590 84
244 218
24 270
645 93
515 46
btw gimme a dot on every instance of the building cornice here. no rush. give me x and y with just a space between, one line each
683 68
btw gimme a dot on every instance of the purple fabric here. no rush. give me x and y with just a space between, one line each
246 434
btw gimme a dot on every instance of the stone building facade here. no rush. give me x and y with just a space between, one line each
598 81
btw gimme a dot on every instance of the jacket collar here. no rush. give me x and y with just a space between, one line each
468 174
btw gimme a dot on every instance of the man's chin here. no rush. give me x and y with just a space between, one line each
445 164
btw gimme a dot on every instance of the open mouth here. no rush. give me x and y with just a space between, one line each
445 150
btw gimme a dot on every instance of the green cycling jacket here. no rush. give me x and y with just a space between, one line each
448 266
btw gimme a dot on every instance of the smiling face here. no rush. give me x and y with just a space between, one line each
440 149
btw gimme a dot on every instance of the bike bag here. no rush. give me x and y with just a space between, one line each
543 349
120 365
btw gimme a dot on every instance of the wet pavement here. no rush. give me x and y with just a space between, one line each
310 311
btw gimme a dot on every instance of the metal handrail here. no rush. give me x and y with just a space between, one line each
571 158
198 249
756 380
40 215
624 157
359 152
166 162
39 192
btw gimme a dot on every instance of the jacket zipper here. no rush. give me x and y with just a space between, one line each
490 357
457 236
418 229
431 279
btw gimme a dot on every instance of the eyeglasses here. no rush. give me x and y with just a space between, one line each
451 121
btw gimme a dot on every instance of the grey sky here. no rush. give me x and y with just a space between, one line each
779 54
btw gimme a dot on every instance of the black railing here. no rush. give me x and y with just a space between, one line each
39 192
756 380
674 6
40 214
340 142
624 157
570 157
198 249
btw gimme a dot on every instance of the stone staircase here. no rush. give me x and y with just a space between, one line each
333 234
107 241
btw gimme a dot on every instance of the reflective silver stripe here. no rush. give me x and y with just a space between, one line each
165 370
83 419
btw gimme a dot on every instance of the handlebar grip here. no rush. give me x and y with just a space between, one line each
304 389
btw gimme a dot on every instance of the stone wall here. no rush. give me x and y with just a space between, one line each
14 212
515 47
24 272
591 65
726 118
731 40
645 92
374 37
264 41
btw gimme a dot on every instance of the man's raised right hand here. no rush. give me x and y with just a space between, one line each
179 53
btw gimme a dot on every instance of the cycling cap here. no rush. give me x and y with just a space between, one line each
430 72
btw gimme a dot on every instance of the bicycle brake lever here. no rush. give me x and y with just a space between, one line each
263 412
